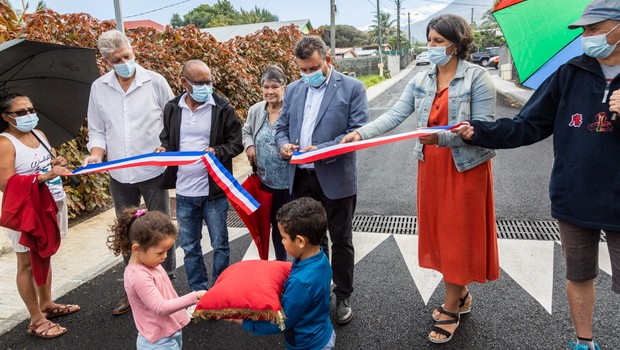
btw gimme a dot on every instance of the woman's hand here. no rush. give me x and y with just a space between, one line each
351 137
429 139
614 102
56 170
251 153
465 131
59 160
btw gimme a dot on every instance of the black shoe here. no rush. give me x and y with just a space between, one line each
122 306
344 313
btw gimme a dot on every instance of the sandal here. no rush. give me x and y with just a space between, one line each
44 328
60 310
456 318
464 307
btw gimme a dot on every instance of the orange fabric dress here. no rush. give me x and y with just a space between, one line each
456 215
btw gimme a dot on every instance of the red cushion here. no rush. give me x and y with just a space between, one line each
247 290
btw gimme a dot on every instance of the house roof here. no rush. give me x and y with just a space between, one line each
345 50
222 34
142 23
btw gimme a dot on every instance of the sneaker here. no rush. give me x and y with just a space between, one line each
344 314
577 346
190 311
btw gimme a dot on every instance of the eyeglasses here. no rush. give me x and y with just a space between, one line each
23 112
199 83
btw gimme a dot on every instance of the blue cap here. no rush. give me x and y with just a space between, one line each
598 11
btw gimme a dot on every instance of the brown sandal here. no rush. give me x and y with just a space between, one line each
60 310
44 328
464 307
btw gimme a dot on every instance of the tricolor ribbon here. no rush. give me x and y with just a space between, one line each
222 177
336 150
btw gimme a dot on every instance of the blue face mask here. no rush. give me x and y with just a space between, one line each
126 69
314 79
437 55
26 123
596 46
201 93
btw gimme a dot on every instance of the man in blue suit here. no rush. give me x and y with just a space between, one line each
318 111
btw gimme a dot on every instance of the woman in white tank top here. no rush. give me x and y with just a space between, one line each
22 153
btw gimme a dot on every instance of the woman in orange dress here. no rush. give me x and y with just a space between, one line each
456 214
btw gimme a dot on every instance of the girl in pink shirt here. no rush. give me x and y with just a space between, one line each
159 313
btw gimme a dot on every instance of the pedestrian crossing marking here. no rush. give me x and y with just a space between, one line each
426 280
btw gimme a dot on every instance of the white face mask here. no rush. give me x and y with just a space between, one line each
438 56
596 46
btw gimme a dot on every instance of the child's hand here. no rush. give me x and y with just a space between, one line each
233 320
199 294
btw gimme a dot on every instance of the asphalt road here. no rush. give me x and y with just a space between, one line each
387 175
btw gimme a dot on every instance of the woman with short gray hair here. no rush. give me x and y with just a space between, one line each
259 140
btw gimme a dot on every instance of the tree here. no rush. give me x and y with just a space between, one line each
404 42
485 34
386 24
257 15
221 14
346 36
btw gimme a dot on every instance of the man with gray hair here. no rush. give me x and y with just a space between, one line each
124 120
200 120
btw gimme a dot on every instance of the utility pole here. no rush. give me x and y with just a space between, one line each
398 30
118 12
472 16
333 30
379 39
409 27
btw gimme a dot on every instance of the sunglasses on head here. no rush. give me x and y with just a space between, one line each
23 112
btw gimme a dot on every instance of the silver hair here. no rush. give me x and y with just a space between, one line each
273 73
190 63
111 41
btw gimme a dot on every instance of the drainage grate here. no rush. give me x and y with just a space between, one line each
543 230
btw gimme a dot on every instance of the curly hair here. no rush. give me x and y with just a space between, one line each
146 230
5 104
456 30
304 217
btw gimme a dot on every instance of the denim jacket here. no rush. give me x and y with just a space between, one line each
471 97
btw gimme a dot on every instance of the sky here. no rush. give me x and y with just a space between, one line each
358 13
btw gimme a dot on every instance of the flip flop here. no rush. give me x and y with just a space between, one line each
60 310
43 329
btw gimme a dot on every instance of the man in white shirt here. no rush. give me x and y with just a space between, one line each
200 120
124 120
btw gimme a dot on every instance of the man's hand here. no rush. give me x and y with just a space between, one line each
351 137
91 160
614 102
251 153
159 150
309 148
465 131
286 151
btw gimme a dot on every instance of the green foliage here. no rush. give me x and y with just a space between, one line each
370 80
404 42
236 67
346 36
221 14
387 26
484 34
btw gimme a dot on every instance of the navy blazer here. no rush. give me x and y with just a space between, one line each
344 109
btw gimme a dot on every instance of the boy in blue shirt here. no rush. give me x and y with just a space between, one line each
306 297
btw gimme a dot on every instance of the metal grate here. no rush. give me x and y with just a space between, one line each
542 230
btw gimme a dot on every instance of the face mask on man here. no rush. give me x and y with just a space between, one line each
596 46
314 79
438 56
201 93
26 123
126 69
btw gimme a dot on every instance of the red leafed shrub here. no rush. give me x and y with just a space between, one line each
236 66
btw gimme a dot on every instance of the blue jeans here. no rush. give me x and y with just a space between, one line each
173 342
190 213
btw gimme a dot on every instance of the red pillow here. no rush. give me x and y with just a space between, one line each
247 290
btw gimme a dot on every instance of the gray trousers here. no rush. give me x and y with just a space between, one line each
128 195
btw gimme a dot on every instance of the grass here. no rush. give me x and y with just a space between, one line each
370 80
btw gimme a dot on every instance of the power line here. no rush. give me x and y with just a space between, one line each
159 9
454 3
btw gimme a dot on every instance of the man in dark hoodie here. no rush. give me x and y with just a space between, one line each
199 120
577 105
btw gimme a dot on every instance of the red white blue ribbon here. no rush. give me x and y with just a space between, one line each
336 150
222 177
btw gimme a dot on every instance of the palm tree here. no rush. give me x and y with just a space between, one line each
257 15
388 29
